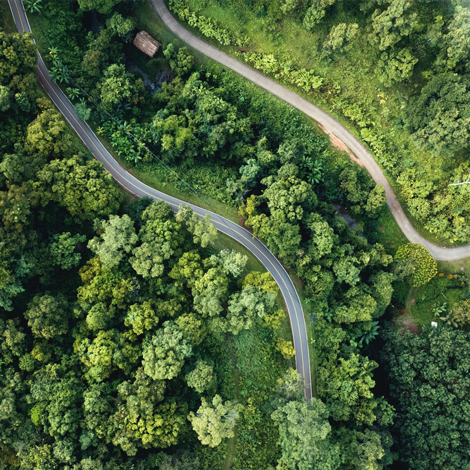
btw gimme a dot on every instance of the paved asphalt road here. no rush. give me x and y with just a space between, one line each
132 184
324 119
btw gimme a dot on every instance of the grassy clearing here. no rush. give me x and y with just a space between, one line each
389 233
150 175
449 286
6 18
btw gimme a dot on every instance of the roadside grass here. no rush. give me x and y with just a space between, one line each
388 232
151 175
6 18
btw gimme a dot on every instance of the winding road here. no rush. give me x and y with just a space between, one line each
327 122
136 187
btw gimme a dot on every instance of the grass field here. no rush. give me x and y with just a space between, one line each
6 18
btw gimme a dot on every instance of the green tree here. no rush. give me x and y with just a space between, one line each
82 186
47 316
123 27
141 317
83 112
457 40
316 13
117 87
395 67
304 436
339 37
459 315
438 117
416 260
202 230
395 22
47 135
5 98
214 420
55 396
165 352
428 374
63 250
117 238
376 200
181 461
17 56
142 419
364 450
202 377
181 61
101 6
247 306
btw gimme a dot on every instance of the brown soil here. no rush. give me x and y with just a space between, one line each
403 322
340 145
412 326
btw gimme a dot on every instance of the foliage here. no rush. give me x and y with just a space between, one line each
214 420
415 260
459 315
268 63
427 375
207 26
402 81
439 116
305 436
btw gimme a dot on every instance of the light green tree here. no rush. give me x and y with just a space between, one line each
141 317
202 230
47 136
5 98
117 238
339 37
214 420
305 437
416 260
165 352
247 306
316 13
396 21
122 26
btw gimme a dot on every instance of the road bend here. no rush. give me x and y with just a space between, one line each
136 187
326 121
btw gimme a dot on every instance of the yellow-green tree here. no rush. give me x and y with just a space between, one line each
415 260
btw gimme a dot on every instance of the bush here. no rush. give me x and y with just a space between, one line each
416 260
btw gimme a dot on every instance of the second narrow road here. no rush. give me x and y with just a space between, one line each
324 119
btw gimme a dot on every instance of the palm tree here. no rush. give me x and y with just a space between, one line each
60 73
74 93
33 6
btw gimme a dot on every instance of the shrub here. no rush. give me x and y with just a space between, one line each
416 260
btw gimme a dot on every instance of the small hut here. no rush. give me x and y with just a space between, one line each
146 43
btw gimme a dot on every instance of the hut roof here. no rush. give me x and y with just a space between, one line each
146 43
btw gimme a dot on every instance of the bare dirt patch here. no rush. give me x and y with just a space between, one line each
411 326
404 322
340 145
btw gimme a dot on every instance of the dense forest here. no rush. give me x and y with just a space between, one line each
115 318
394 71
154 347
